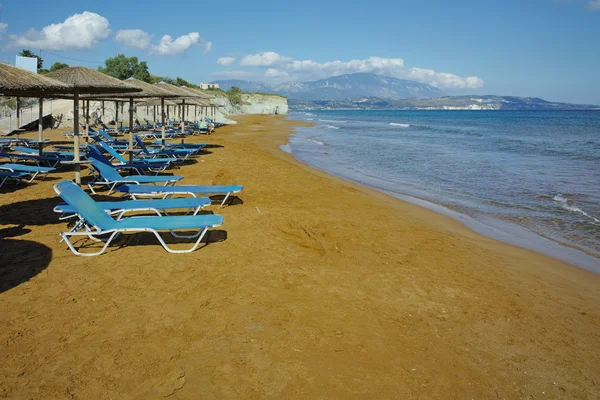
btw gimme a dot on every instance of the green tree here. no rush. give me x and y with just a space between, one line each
235 95
29 53
58 65
182 82
140 72
122 67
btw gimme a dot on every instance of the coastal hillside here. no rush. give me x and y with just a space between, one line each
342 87
250 103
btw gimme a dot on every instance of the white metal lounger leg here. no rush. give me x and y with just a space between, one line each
225 199
66 236
194 247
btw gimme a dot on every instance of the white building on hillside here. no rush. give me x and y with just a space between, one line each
209 86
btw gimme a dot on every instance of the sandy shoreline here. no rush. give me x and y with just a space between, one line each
314 288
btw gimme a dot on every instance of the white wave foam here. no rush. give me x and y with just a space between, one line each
316 141
332 127
401 125
333 120
560 199
309 119
286 148
567 205
580 211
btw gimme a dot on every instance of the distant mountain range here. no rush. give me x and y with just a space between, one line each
342 87
371 91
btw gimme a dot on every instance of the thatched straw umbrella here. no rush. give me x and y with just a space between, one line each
182 93
20 83
87 81
146 91
192 102
154 103
206 97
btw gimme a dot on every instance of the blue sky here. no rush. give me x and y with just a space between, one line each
542 48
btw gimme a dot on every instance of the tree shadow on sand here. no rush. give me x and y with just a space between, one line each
30 212
20 260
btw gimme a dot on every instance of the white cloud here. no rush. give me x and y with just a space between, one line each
134 38
232 74
266 59
169 47
276 74
290 69
3 27
593 5
442 79
207 48
78 32
225 60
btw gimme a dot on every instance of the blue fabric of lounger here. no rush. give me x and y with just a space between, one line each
188 202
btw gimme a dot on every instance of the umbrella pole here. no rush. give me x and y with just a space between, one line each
76 136
41 127
102 110
87 120
154 118
131 130
162 114
183 118
117 116
18 115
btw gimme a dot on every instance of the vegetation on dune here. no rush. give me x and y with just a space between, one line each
58 65
122 67
235 95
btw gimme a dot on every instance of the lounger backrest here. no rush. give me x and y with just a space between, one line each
94 152
140 143
26 150
86 207
107 172
110 150
105 135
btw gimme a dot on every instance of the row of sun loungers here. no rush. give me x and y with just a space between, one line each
148 192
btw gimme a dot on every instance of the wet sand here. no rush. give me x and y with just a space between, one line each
313 288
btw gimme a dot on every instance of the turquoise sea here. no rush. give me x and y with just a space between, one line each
531 178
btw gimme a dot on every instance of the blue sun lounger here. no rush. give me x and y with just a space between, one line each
32 170
145 191
108 176
99 224
139 168
107 129
113 142
66 155
120 208
50 161
192 146
6 175
106 147
175 154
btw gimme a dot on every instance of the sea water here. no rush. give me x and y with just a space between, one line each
531 178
